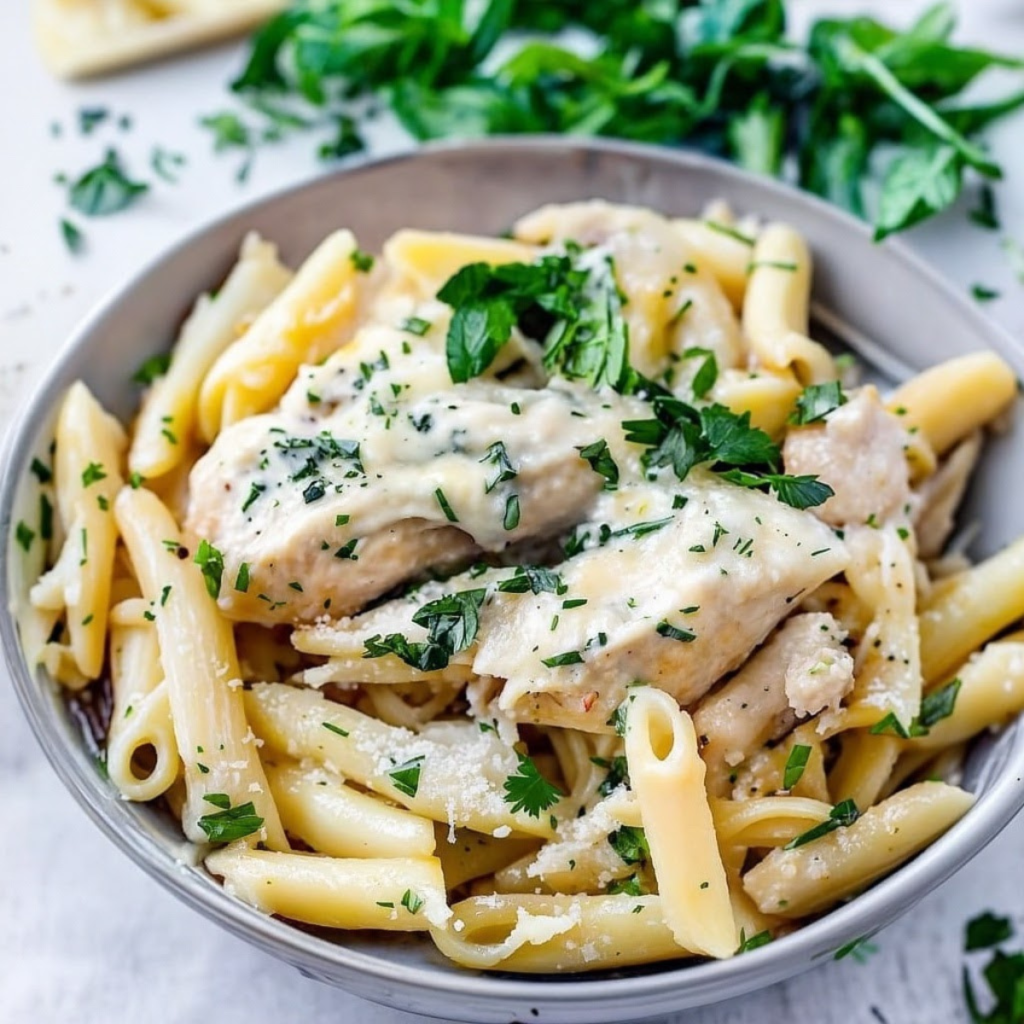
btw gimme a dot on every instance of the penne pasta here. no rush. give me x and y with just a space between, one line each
197 654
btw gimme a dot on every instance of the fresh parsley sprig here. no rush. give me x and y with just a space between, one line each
681 436
857 98
527 790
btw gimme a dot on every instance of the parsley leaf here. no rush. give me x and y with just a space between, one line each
406 777
601 462
452 623
795 765
533 578
816 401
211 564
527 790
987 930
841 816
231 823
630 843
105 189
154 367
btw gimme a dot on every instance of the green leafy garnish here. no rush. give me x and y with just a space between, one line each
534 579
681 437
211 564
452 623
754 942
841 816
527 790
719 75
575 311
795 765
73 237
92 474
24 535
406 777
154 367
816 401
231 823
630 843
105 189
987 930
601 462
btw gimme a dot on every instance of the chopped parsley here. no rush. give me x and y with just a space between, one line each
987 930
92 474
211 564
242 578
511 518
816 401
452 623
105 189
707 374
338 731
497 455
670 632
527 790
618 773
41 471
406 777
575 311
601 462
362 261
795 765
255 490
72 235
841 816
415 325
681 436
154 367
754 942
630 843
935 706
449 512
24 535
534 579
230 823
566 658
412 901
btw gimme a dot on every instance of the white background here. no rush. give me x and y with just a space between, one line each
85 936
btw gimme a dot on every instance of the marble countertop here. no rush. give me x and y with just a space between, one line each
87 936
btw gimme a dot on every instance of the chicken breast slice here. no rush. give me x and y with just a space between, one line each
859 451
802 669
403 471
676 605
652 595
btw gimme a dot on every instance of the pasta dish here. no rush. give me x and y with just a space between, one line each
556 595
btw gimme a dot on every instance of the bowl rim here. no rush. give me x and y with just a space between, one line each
699 983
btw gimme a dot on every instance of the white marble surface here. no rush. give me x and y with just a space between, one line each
86 936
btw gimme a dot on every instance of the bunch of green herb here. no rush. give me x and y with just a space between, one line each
858 98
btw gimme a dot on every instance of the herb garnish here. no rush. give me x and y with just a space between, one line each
682 437
816 401
452 623
527 790
105 189
841 816
795 765
154 367
211 564
630 843
230 823
601 462
721 75
406 777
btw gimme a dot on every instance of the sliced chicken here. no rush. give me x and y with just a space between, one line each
404 472
859 451
652 596
802 669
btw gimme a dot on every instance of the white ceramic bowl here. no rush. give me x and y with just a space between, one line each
862 291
